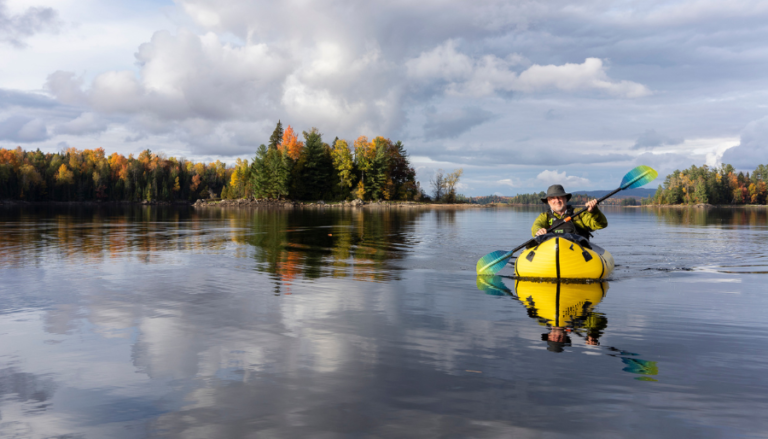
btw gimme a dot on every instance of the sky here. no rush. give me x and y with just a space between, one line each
518 94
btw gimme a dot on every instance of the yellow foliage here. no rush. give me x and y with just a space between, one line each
360 191
64 175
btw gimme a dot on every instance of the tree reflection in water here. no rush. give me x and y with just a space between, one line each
346 242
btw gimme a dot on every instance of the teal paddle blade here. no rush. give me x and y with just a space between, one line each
492 285
639 176
491 263
636 365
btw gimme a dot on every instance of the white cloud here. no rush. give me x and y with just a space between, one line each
23 129
753 148
511 182
489 74
15 29
86 123
553 177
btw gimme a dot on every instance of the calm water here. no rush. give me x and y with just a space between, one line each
159 322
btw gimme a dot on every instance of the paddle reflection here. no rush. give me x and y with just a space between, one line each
567 309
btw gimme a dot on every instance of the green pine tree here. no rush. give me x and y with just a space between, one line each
277 136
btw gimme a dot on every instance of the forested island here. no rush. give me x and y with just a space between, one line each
286 168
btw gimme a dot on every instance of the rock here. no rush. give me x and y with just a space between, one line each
321 202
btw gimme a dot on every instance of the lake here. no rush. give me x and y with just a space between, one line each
147 321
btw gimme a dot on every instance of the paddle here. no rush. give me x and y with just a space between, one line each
491 263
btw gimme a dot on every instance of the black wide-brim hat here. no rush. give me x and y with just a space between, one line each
556 190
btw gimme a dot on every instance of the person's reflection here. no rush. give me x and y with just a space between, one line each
564 308
595 324
556 339
567 310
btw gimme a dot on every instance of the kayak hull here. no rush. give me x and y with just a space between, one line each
560 258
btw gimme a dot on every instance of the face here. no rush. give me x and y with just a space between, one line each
557 203
557 335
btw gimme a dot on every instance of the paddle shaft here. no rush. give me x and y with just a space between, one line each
555 225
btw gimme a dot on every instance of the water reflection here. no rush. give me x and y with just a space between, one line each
727 217
567 309
311 244
160 322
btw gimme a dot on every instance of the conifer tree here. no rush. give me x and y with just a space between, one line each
278 167
317 165
277 136
260 173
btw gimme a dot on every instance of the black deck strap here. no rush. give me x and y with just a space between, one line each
571 247
532 253
587 256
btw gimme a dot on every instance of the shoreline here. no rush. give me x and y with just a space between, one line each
271 203
249 203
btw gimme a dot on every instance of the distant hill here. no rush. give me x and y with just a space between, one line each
629 193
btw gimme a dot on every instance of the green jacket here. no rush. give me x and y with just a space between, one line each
592 221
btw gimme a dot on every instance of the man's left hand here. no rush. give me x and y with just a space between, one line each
591 204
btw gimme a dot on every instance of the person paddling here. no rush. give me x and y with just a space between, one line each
557 199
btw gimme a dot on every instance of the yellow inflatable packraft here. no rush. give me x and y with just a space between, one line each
559 258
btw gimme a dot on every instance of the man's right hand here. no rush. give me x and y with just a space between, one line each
541 232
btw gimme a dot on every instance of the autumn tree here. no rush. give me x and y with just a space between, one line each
291 144
451 180
344 165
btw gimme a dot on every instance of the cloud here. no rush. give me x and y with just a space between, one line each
23 129
553 177
753 148
551 114
15 29
86 123
188 77
489 74
511 182
651 139
530 155
667 163
452 124
15 98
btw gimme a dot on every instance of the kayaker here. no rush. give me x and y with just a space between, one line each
557 199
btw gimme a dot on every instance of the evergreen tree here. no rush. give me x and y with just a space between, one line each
277 136
260 173
318 166
278 165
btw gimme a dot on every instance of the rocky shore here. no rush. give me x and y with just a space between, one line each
270 203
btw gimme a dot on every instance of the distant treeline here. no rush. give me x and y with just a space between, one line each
535 198
286 168
719 185
89 175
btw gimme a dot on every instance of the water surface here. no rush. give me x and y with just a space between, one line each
171 322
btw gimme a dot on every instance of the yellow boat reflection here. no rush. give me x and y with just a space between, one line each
566 309
560 304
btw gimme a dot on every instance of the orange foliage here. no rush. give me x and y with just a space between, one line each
291 144
118 165
364 149
195 182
